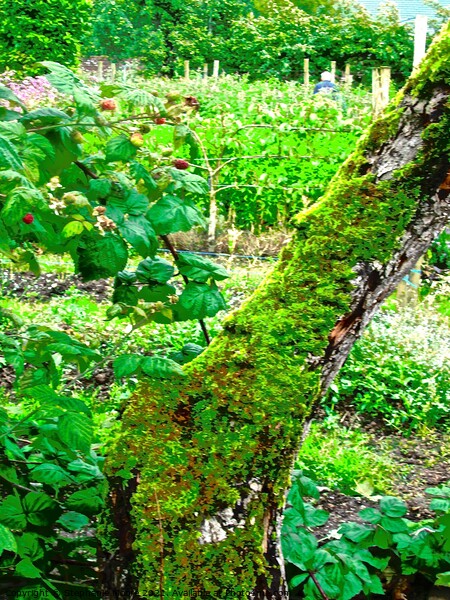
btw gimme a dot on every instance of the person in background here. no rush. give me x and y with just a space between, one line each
326 85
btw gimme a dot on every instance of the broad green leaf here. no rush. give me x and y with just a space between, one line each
126 365
189 181
443 579
157 293
84 471
86 501
160 368
72 229
12 514
440 505
153 270
47 116
9 156
101 256
140 174
140 234
7 540
300 548
40 509
28 545
72 521
370 514
355 531
187 353
170 214
50 474
352 586
393 507
99 188
119 148
75 430
126 294
394 525
198 301
133 203
297 580
200 269
25 568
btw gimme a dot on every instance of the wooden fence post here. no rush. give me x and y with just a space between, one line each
113 72
420 39
347 73
216 69
306 72
186 70
381 80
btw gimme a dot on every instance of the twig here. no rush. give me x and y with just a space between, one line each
86 170
318 586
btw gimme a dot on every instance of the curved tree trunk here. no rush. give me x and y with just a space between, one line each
209 455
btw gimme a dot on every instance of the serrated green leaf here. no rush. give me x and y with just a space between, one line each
40 509
47 116
160 368
355 531
75 430
188 181
73 521
370 514
99 188
154 270
9 156
7 540
140 234
12 514
198 301
28 545
200 269
50 474
119 148
126 365
72 229
25 568
85 501
157 293
393 507
101 256
170 214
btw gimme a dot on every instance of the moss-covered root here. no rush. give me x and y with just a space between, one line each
210 454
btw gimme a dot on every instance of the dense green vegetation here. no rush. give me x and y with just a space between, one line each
263 39
41 30
103 177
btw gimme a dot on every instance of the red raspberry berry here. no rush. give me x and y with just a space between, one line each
179 163
108 104
160 120
28 219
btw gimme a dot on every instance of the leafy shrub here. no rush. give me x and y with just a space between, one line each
399 370
50 477
41 30
384 545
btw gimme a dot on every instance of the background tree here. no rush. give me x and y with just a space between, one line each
201 467
41 30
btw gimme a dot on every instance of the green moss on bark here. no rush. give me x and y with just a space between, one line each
200 444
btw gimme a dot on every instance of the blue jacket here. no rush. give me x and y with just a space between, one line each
325 87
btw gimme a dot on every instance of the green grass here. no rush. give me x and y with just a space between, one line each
345 459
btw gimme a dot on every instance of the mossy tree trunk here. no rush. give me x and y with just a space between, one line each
208 456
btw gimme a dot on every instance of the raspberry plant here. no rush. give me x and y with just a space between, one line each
101 209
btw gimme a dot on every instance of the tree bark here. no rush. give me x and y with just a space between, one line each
213 451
